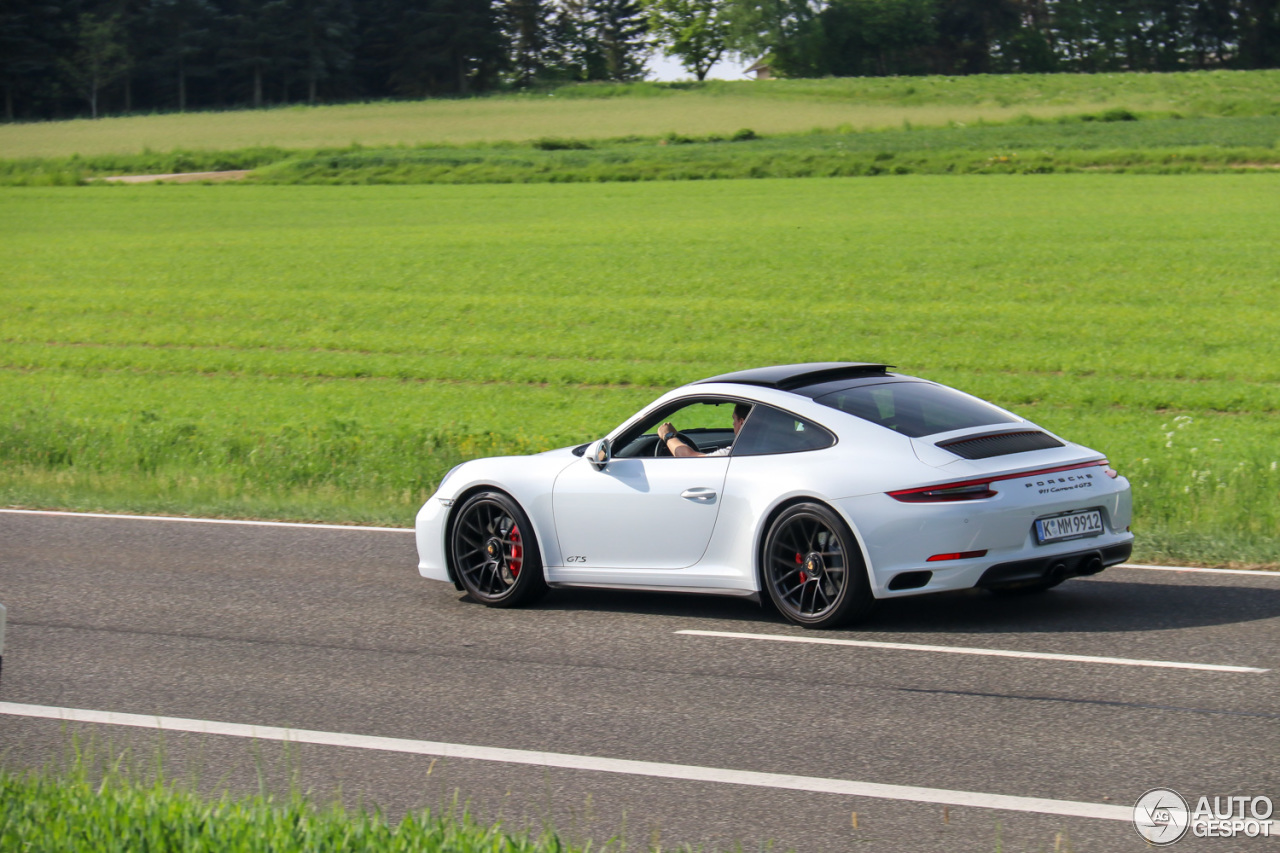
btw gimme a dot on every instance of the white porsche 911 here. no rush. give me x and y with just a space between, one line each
823 486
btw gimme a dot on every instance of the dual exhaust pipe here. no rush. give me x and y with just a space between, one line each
1091 565
1050 570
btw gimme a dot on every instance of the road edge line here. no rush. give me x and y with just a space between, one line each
569 761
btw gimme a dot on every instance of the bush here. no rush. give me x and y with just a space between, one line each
551 143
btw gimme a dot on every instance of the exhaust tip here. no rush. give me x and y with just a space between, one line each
1057 572
1093 565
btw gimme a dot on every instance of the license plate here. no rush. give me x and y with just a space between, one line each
1073 525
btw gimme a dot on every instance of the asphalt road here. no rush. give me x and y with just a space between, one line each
333 630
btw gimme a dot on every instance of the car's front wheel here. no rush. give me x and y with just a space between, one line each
494 553
813 569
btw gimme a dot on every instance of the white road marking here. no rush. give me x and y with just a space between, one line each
1257 573
354 527
687 772
964 650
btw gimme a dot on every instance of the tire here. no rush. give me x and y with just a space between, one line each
494 553
813 569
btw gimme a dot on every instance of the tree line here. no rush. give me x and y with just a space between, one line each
846 38
60 57
89 57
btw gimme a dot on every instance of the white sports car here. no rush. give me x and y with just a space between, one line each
823 486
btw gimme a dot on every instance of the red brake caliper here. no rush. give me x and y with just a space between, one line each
517 553
803 577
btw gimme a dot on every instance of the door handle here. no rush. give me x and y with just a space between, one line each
702 495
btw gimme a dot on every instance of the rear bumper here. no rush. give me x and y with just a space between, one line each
1056 567
900 538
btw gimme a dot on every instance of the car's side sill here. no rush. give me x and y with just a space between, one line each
736 593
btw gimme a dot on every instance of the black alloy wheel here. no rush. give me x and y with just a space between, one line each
494 552
813 569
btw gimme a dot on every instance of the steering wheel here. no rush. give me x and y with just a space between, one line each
660 448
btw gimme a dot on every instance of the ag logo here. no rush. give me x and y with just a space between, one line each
1161 816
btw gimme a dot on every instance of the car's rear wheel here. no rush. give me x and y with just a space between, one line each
813 569
494 553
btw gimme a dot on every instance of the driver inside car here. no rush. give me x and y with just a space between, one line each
667 432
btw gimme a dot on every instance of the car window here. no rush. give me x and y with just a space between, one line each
770 430
915 408
708 423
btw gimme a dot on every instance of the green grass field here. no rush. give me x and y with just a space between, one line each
1168 146
328 352
594 111
84 812
1112 141
1018 124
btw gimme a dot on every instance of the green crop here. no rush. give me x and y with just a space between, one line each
1069 144
603 111
329 352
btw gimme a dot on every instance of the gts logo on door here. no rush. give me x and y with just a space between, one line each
575 559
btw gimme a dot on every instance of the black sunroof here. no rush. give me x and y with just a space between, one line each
787 376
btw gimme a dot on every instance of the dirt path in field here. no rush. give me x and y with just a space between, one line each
180 177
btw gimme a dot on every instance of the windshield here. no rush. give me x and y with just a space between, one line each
914 408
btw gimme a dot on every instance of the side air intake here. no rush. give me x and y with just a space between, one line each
1000 444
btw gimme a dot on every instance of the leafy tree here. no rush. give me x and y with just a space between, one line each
697 31
1028 46
526 28
27 32
378 36
875 37
967 29
782 29
470 43
321 34
616 38
255 33
99 58
1212 32
57 55
180 36
1259 33
442 47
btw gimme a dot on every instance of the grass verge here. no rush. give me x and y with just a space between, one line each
44 813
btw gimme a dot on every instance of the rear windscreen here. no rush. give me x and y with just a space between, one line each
914 408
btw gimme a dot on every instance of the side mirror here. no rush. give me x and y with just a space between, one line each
599 453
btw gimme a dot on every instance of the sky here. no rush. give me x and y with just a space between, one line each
667 69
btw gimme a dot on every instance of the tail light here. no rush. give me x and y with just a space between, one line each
972 490
959 555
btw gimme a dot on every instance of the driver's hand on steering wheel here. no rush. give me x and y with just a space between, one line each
666 431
